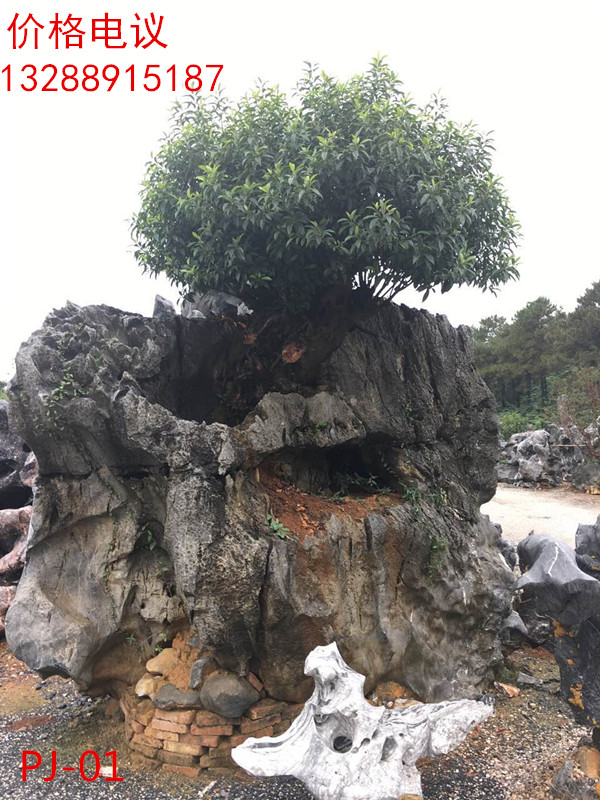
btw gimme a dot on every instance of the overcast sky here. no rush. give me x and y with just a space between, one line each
72 162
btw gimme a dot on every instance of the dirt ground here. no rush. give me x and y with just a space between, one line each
512 756
557 512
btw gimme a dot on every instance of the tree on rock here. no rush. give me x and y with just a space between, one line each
349 183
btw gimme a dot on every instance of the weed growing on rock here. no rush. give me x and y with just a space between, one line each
439 546
277 527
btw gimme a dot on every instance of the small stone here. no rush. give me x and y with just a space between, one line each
527 680
146 686
169 696
228 695
508 689
200 670
588 760
163 662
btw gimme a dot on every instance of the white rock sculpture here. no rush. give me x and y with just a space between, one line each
342 748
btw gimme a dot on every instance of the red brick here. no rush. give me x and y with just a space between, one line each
165 725
223 747
219 771
135 727
147 741
183 717
191 772
206 719
253 680
216 730
127 701
187 748
149 752
180 759
265 708
144 712
202 741
168 735
249 725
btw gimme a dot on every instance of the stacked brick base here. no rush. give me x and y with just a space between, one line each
192 742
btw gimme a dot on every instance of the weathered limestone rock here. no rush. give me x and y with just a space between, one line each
556 588
18 466
188 476
342 748
7 595
550 456
163 308
18 470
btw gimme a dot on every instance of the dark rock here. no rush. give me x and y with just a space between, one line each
18 471
587 477
555 588
163 308
514 630
528 680
169 697
228 695
587 548
18 467
552 576
200 668
152 511
508 549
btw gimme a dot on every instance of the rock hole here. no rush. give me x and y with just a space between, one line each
15 497
342 744
388 748
335 472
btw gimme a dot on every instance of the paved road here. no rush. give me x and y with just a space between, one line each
554 511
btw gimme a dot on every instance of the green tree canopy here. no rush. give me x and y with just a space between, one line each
583 333
543 365
348 183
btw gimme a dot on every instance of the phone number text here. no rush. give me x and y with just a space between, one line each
91 78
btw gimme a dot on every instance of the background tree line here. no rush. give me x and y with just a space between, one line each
544 365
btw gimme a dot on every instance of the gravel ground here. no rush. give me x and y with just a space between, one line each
554 511
513 756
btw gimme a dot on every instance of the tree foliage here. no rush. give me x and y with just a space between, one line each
544 364
350 182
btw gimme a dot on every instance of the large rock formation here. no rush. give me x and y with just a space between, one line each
548 456
18 469
193 472
562 585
